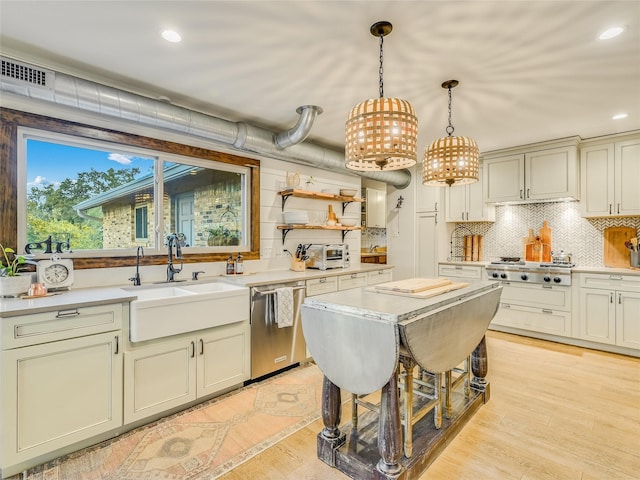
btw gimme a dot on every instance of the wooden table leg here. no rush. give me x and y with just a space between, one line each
330 438
331 409
390 429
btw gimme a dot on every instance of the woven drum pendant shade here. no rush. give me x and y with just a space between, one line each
451 160
381 134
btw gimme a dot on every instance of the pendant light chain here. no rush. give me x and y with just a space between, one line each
449 128
381 70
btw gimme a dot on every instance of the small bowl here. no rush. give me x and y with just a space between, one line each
348 192
349 221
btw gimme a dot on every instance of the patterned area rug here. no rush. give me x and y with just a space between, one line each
204 441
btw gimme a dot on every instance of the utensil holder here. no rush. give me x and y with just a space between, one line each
634 259
298 265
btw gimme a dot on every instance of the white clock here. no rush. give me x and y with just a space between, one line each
55 273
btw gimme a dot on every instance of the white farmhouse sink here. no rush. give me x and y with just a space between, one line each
162 311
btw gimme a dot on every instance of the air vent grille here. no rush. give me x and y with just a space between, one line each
24 74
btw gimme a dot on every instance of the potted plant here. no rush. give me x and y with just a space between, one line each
221 235
12 283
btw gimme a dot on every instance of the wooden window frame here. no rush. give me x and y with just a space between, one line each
11 120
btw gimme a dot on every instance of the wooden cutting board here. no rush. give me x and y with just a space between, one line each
413 285
545 237
615 253
431 292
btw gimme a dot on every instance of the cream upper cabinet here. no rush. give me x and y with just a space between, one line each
505 177
467 203
538 174
610 178
376 207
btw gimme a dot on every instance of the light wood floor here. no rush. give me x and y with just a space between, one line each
556 412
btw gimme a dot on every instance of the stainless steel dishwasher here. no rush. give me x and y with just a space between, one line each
274 348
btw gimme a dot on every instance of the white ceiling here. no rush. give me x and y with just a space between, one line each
528 71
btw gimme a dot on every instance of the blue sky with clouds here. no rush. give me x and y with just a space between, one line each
51 162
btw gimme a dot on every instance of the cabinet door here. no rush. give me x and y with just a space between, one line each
376 208
426 245
627 176
427 198
353 280
159 377
477 207
460 271
627 319
553 322
505 178
597 180
318 286
456 204
551 174
597 315
223 358
379 276
59 393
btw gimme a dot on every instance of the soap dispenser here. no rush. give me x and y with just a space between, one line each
231 268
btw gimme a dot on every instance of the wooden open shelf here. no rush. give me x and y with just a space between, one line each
287 228
295 192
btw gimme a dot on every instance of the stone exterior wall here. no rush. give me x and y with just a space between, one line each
214 206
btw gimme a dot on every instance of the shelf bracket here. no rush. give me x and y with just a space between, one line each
284 233
344 205
285 196
344 233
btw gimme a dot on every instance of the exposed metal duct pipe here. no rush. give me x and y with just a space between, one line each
96 98
301 130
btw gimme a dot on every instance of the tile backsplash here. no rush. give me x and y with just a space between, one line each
582 237
374 236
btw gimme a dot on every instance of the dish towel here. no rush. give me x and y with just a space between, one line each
284 307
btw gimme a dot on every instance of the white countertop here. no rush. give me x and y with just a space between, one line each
77 298
391 308
281 276
84 297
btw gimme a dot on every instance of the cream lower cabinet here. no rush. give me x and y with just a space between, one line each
608 309
174 372
379 276
536 308
461 272
59 393
352 280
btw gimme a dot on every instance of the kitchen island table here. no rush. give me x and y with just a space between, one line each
359 337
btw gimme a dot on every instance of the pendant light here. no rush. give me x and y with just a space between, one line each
381 133
450 160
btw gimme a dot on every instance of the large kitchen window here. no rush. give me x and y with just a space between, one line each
94 196
97 195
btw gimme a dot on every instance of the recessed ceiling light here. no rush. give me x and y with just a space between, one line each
171 36
619 116
611 32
